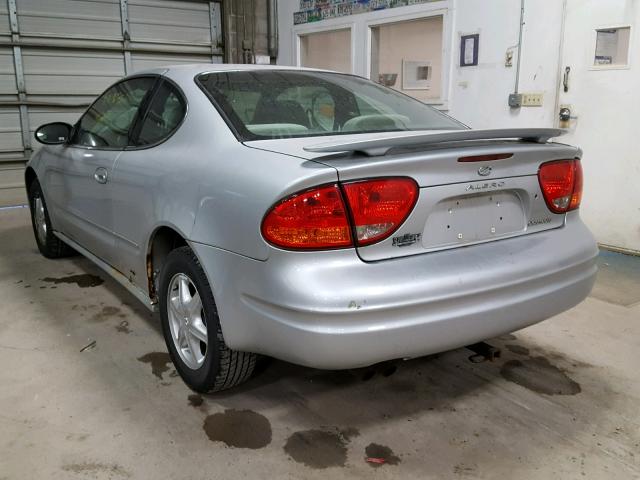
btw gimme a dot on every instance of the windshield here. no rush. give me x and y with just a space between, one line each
264 104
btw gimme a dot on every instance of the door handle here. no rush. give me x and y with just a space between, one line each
565 78
101 175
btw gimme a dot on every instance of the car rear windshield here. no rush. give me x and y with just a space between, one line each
288 103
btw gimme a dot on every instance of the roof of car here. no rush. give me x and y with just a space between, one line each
196 68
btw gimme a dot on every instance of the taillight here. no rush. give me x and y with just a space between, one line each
318 219
561 184
312 219
380 206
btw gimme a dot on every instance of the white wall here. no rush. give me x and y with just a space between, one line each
475 95
286 53
604 102
360 35
478 95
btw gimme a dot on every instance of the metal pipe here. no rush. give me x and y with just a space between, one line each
556 121
272 30
519 46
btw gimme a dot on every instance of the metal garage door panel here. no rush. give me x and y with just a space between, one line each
70 18
167 22
69 72
10 133
4 19
7 73
143 62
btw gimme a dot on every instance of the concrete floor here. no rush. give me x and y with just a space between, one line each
562 402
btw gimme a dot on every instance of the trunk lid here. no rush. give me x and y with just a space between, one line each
461 203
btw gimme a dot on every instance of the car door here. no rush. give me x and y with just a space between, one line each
78 177
141 175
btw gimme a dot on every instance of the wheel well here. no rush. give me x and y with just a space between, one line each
29 177
163 241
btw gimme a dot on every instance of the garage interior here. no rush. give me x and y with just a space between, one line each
89 391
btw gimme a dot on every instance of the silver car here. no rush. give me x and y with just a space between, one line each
311 216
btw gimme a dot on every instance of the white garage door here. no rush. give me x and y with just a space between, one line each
57 55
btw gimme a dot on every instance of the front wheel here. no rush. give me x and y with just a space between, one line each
49 245
191 328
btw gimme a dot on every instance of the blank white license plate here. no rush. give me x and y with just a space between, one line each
474 218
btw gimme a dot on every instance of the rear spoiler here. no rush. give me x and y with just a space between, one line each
384 143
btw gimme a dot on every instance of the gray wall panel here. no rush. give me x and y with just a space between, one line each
7 72
142 62
69 72
168 22
70 18
10 133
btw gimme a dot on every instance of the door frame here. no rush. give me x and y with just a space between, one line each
304 30
400 17
360 26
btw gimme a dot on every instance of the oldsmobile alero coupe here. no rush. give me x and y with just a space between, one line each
311 216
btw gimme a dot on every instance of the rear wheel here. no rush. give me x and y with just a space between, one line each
49 245
191 328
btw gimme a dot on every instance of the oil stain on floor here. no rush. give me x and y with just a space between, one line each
239 429
517 349
319 448
195 400
383 454
540 376
107 313
159 361
85 280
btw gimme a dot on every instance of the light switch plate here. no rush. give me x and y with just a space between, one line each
532 99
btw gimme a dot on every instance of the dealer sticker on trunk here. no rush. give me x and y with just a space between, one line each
406 239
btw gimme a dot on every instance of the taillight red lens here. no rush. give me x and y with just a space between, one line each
576 196
380 206
561 184
312 219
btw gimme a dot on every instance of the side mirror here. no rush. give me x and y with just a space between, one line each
53 133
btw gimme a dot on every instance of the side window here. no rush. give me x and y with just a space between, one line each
165 113
108 121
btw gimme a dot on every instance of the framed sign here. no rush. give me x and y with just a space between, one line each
469 50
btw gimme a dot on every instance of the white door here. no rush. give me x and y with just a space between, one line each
602 52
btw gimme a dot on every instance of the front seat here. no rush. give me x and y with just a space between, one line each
283 111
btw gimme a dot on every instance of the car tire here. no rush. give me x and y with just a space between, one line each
49 245
205 366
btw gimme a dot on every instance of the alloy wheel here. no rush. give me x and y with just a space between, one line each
40 220
187 321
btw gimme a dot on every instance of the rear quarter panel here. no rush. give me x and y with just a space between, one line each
233 185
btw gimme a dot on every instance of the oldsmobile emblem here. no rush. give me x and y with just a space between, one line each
484 171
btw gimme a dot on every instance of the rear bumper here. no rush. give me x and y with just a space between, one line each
331 310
